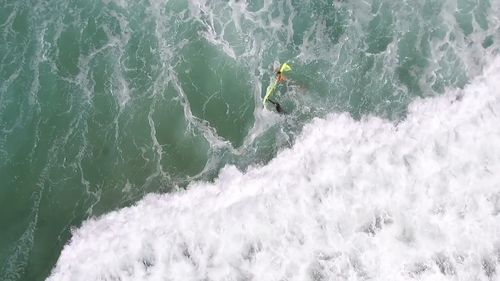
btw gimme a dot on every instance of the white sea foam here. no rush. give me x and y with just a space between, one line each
351 200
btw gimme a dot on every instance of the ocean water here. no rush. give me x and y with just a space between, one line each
134 144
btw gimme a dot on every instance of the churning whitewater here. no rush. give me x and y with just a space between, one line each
351 200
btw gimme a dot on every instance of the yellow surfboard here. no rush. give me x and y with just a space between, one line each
272 88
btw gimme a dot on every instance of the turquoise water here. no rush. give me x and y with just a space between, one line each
103 102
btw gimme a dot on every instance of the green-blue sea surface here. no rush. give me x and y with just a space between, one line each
103 101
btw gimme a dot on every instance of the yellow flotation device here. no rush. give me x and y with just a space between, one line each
272 88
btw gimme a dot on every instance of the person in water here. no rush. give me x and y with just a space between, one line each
280 78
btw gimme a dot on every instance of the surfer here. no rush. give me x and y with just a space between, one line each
280 78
